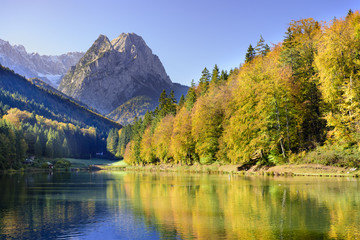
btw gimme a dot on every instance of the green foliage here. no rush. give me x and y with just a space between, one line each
204 81
44 165
190 98
215 78
167 104
12 146
250 54
261 48
335 155
181 101
62 164
112 141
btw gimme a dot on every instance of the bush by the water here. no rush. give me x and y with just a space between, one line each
62 164
334 155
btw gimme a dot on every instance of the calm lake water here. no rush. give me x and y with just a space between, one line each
121 205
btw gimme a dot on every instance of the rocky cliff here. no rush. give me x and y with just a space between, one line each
113 72
50 69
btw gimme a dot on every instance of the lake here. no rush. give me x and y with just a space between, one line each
130 205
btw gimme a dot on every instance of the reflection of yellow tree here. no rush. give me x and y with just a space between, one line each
215 207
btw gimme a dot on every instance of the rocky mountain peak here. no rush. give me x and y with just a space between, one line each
111 73
20 48
2 42
130 43
102 43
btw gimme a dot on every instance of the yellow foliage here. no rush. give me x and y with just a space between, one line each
146 148
129 155
338 65
182 143
161 138
16 116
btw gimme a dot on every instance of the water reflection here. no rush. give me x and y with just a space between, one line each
177 206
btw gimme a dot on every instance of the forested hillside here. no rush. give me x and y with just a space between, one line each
296 102
39 122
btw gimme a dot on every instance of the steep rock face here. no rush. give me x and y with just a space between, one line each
111 73
50 69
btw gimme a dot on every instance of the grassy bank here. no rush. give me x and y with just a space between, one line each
74 164
85 163
281 170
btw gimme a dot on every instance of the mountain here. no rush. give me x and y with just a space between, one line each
50 69
18 92
113 72
135 107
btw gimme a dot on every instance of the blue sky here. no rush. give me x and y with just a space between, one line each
187 35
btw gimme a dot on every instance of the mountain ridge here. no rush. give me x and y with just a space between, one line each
48 68
45 102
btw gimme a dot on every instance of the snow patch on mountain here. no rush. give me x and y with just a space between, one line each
54 79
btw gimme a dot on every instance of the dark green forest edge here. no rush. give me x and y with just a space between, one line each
296 102
40 123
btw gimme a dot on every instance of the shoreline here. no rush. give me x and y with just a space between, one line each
312 170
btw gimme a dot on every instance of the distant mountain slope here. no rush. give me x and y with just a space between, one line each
50 69
112 73
47 87
18 92
135 107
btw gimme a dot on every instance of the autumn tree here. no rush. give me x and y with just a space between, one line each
338 63
147 154
182 144
161 139
298 53
207 117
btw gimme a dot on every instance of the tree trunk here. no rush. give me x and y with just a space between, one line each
279 126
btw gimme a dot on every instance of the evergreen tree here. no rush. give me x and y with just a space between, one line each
215 75
112 141
167 104
38 149
250 54
223 76
65 148
125 135
57 144
260 46
190 98
266 50
148 117
49 148
162 100
181 101
172 103
21 147
204 81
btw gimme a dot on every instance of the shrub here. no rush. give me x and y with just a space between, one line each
334 155
63 164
